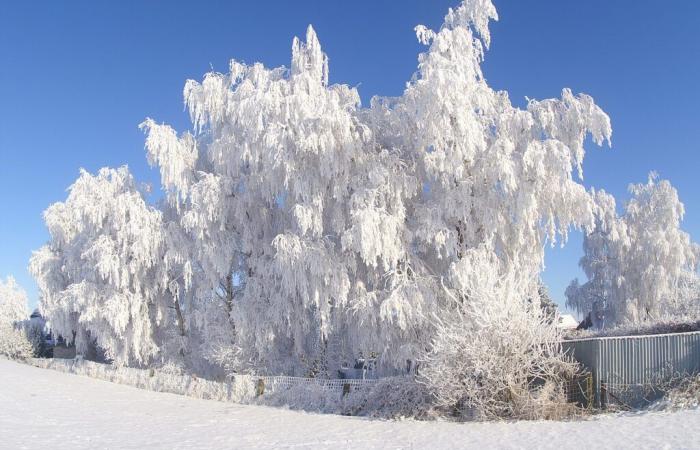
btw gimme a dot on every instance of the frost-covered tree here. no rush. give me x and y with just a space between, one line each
301 230
599 256
494 177
104 275
13 313
262 187
545 302
641 266
657 253
328 229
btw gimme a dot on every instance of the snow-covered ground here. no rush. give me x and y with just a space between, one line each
46 409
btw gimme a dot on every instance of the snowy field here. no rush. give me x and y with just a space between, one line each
46 409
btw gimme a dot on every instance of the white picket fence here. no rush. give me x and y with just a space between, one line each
271 384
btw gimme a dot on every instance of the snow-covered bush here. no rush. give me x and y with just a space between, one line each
495 354
14 342
680 393
306 397
392 398
387 398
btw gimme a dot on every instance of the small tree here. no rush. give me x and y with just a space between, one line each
13 312
544 301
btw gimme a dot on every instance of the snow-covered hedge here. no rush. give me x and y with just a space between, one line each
392 398
388 398
635 329
241 389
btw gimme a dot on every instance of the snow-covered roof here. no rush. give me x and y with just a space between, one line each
567 322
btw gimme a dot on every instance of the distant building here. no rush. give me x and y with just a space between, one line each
567 322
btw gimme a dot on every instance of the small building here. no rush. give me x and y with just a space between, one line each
566 322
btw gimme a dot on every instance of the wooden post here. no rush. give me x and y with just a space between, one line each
259 387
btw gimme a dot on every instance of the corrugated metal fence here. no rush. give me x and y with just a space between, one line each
634 365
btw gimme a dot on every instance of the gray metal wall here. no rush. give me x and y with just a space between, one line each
636 360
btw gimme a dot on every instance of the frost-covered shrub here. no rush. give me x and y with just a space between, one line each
391 398
681 392
307 397
388 398
495 355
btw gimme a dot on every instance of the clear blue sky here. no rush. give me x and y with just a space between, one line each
76 78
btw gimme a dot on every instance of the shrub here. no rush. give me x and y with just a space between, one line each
495 355
14 343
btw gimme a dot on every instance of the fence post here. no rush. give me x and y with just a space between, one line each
603 395
589 390
259 387
346 389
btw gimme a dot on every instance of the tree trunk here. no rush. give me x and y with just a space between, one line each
229 299
229 293
180 319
